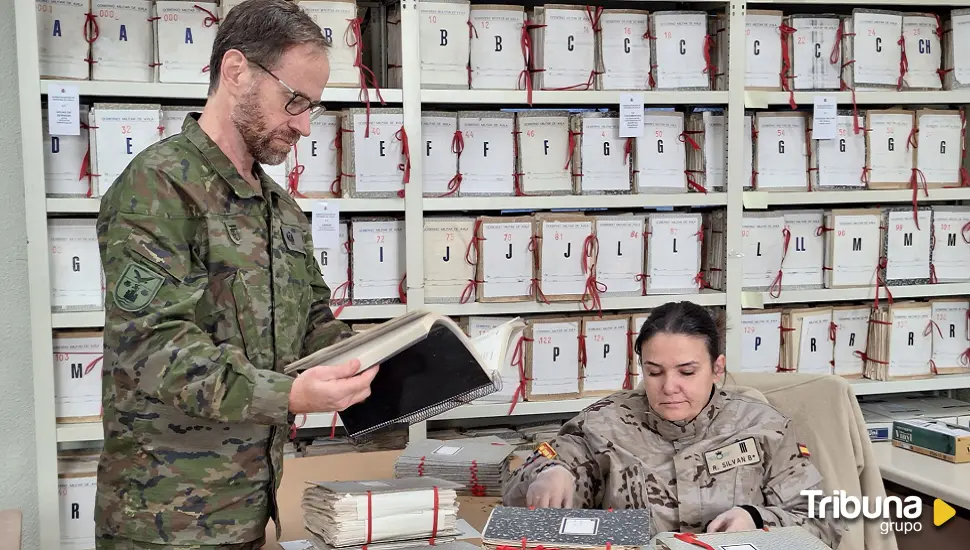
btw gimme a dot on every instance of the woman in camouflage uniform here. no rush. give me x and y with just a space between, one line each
700 458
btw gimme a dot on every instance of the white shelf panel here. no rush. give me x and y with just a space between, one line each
97 88
83 205
569 97
754 200
762 100
913 3
707 298
83 431
451 204
940 382
95 319
754 300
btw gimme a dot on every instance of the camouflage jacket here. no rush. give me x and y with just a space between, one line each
211 289
738 451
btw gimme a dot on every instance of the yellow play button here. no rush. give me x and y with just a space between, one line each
942 512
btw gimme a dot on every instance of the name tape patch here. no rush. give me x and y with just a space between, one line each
731 456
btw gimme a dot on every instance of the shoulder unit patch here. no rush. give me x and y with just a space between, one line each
137 287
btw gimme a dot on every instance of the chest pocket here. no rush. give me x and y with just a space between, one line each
749 485
293 280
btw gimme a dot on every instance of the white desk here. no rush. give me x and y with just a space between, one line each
931 476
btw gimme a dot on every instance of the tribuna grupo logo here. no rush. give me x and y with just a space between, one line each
895 514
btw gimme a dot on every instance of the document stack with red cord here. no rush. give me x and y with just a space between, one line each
775 538
513 528
480 464
386 514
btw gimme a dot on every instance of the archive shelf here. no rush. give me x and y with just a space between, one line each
762 100
706 298
761 299
755 200
449 204
83 205
568 97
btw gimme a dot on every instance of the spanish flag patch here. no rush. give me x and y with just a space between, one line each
546 450
803 450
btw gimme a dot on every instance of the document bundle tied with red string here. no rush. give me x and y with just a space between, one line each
774 538
427 366
481 465
381 514
511 528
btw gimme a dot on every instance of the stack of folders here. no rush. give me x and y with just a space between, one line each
388 514
481 465
776 538
566 529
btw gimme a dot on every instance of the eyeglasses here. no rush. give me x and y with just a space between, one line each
298 103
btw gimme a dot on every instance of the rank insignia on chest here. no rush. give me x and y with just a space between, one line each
731 456
803 451
546 450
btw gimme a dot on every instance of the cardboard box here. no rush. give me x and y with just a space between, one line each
880 427
932 438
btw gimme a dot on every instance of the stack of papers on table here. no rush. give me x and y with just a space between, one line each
481 465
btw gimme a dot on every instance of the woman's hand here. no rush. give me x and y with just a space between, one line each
735 519
553 488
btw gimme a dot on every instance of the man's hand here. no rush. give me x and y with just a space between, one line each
553 488
735 519
330 388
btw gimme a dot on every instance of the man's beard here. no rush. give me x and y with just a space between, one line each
250 123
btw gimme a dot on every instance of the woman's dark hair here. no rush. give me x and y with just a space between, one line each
685 318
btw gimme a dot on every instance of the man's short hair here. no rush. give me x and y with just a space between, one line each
263 30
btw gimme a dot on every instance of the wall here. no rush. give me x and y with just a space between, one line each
18 468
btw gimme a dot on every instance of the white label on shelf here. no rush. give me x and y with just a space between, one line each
950 339
662 154
78 360
715 150
875 44
378 259
555 358
569 49
851 334
317 153
782 156
824 117
806 250
620 259
763 50
544 154
495 56
487 162
960 45
606 358
625 50
507 264
76 496
631 115
680 42
760 342
762 245
924 53
858 245
444 44
815 344
446 271
841 160
75 265
334 19
377 156
908 247
812 44
63 110
119 135
125 45
910 344
325 219
185 35
951 254
890 155
562 256
334 265
62 46
674 256
64 156
938 156
172 120
440 164
604 163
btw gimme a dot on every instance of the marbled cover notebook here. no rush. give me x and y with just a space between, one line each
567 528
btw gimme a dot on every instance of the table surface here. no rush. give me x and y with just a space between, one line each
932 476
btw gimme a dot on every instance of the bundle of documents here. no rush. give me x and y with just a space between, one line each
566 529
900 342
480 465
381 514
775 538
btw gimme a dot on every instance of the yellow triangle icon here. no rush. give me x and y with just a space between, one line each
942 512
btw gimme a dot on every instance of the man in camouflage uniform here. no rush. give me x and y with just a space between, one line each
737 458
212 289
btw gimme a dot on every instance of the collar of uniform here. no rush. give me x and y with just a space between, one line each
682 431
218 160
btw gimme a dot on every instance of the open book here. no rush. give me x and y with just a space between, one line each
428 366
